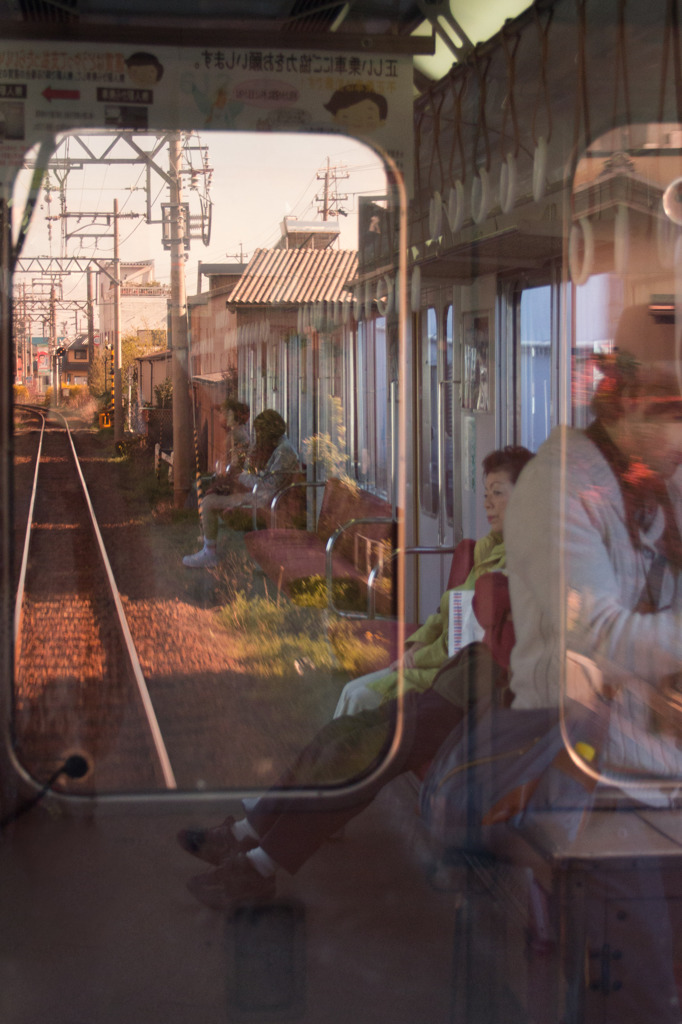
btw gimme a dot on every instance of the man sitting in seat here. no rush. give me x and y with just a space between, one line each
272 464
426 650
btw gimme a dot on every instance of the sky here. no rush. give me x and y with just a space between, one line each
256 180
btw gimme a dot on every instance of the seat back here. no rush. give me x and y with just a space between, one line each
359 544
492 607
462 563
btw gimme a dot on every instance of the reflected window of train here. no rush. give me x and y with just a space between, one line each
372 406
428 412
448 416
593 335
535 365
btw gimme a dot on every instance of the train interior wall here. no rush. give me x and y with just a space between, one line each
97 925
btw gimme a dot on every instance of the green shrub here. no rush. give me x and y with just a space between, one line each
21 393
358 650
277 638
311 592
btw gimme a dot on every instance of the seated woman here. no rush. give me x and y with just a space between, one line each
272 464
427 649
274 833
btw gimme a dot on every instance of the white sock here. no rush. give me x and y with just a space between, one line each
263 864
243 829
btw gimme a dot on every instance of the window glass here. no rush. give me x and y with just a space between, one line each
448 411
242 649
372 391
428 413
618 561
593 336
535 350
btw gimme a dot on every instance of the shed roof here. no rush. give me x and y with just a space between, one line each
293 276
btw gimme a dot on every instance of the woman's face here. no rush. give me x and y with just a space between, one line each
498 488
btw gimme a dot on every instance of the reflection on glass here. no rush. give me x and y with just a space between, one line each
620 558
536 373
241 645
428 406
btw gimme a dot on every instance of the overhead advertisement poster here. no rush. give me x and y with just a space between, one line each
47 88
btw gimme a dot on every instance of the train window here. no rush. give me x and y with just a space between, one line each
448 414
535 350
372 405
273 345
429 479
622 679
593 337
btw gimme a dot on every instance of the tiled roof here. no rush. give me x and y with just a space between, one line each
295 276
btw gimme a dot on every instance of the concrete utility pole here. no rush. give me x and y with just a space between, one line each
53 347
330 197
118 389
182 441
91 320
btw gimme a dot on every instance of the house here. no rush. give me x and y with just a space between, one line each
75 361
144 302
250 323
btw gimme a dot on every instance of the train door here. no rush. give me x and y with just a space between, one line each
437 495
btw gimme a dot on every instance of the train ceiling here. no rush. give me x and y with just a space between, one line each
443 30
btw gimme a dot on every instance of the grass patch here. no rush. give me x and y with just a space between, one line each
277 639
311 592
357 651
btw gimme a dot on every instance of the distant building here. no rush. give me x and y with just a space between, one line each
250 323
144 302
76 361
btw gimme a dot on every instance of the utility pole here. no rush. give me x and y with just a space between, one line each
53 345
179 359
330 197
90 321
118 389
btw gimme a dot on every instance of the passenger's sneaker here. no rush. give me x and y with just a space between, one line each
214 845
234 881
202 559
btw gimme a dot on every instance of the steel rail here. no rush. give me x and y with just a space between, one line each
152 721
19 601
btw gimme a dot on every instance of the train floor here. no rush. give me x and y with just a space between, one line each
105 931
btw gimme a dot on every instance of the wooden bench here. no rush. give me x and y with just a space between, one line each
353 531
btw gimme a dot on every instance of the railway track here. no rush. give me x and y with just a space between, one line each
223 726
79 687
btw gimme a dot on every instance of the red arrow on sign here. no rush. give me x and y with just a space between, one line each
61 94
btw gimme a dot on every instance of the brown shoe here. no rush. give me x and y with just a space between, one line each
214 845
234 881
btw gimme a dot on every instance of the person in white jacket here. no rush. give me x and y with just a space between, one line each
594 557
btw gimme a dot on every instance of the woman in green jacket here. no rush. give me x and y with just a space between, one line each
426 650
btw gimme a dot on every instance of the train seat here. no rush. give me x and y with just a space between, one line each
359 525
382 634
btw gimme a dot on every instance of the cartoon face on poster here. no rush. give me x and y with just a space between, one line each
47 88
